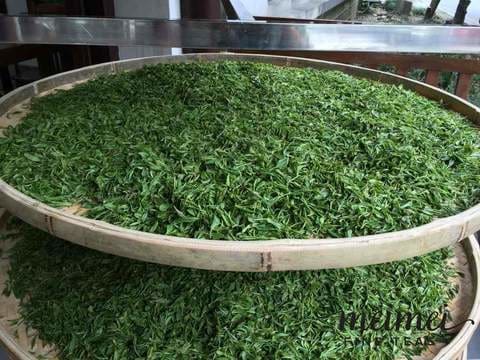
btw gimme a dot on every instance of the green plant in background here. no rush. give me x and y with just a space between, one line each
418 11
235 150
98 306
390 5
475 90
417 74
448 81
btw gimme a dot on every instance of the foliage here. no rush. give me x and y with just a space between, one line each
390 5
239 150
97 306
418 11
475 90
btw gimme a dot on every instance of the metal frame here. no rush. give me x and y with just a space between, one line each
248 35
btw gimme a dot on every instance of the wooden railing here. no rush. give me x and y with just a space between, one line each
403 64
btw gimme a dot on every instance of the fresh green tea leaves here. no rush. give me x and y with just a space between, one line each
32 157
97 306
237 150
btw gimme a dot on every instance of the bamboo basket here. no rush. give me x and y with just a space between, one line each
17 340
261 255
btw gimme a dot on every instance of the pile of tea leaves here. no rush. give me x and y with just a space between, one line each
97 306
238 150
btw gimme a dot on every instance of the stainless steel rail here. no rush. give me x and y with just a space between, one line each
239 35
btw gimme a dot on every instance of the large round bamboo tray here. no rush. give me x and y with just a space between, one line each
261 255
17 340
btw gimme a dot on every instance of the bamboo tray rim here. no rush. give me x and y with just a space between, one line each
240 255
243 245
459 343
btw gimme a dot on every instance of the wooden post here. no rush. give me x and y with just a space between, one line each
463 85
432 77
402 71
459 17
431 9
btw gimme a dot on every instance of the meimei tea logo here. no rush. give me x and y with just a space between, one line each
398 321
435 323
